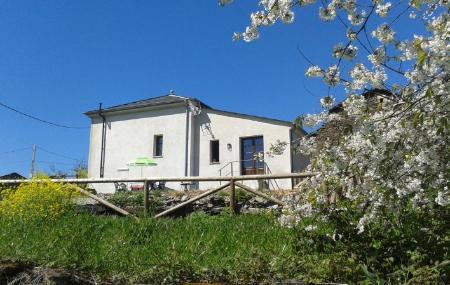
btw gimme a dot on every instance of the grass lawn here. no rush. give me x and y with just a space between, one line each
38 225
244 249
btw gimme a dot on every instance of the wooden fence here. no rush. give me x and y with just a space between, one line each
231 183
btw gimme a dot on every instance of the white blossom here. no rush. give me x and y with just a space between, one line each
443 198
361 76
378 79
251 33
312 120
327 102
225 2
395 152
357 19
384 34
348 52
349 5
378 57
383 9
351 35
258 18
314 71
287 17
274 10
332 76
327 14
305 2
236 36
310 228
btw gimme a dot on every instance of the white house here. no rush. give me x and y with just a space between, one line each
186 137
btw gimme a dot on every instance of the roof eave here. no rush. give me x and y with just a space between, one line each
129 108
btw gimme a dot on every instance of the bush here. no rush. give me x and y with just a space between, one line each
240 194
409 247
127 198
40 199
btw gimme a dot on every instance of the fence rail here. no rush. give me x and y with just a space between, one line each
232 183
171 179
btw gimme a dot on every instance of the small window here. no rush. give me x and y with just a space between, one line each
158 146
214 151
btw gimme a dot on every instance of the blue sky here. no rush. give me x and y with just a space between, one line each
59 59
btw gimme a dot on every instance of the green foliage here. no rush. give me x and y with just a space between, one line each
127 198
41 199
409 247
81 171
240 194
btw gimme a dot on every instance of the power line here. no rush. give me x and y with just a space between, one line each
39 119
18 161
15 150
58 154
52 162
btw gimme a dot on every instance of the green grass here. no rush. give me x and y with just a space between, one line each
245 249
196 248
408 247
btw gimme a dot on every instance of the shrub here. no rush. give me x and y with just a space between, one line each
241 195
127 198
40 199
409 247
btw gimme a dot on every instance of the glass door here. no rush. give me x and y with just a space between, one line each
252 155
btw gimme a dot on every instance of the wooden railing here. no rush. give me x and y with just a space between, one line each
232 182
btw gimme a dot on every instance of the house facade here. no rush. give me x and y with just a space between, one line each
186 137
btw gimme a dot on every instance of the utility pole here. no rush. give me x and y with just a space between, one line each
102 151
33 160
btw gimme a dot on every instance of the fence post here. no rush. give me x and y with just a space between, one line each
232 197
146 194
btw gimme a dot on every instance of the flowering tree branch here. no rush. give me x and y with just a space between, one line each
396 151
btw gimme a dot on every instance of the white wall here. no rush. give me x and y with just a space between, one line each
130 135
229 129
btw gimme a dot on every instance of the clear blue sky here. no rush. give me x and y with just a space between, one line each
59 59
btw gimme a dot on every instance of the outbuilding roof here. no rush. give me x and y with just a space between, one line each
12 176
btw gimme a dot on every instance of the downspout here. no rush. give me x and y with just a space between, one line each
291 130
186 150
102 152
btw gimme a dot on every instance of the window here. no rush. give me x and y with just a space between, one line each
158 146
214 147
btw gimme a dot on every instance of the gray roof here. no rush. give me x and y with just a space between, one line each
12 176
155 101
174 99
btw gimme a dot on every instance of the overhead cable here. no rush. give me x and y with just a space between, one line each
57 154
41 120
15 150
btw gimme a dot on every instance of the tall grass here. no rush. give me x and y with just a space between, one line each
39 225
196 248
